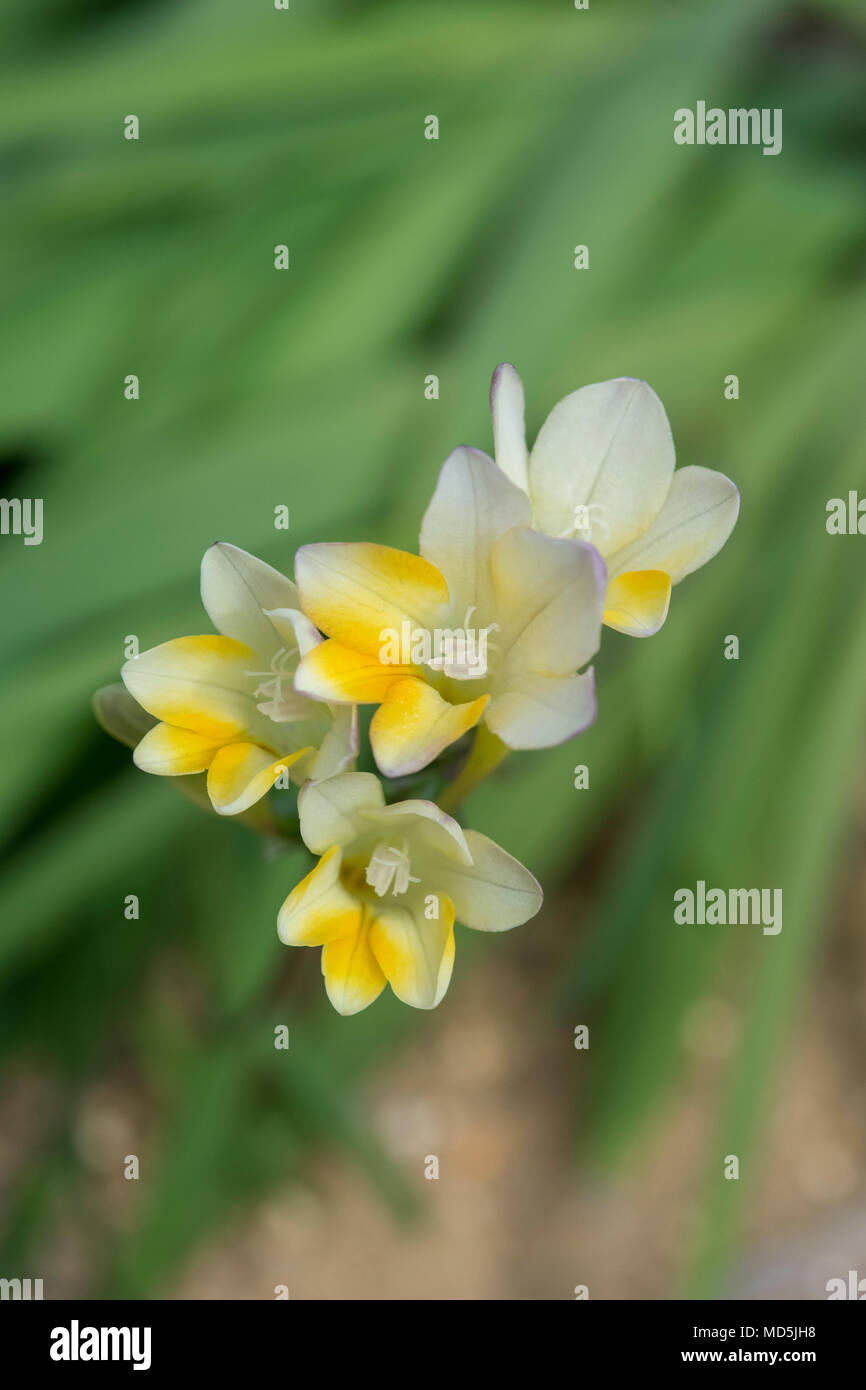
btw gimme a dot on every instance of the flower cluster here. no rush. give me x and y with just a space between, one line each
490 628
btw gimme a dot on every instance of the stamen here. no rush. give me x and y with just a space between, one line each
389 866
276 705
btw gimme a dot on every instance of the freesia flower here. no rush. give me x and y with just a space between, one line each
602 469
227 702
383 898
533 605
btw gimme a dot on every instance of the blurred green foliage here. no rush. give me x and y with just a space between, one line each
305 388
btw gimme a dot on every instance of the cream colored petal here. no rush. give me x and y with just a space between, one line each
241 774
197 683
339 747
509 432
698 515
356 593
295 629
329 810
473 505
413 725
637 602
493 892
549 602
608 447
236 588
415 954
429 827
537 711
171 752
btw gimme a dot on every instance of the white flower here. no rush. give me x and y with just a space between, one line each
538 600
383 898
227 703
602 470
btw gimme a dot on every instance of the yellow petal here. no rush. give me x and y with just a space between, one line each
171 752
241 773
637 602
416 954
353 977
357 592
332 671
413 724
319 909
198 683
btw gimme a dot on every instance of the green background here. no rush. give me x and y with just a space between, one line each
306 388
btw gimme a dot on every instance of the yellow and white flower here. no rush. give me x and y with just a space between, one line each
536 600
227 702
602 469
383 898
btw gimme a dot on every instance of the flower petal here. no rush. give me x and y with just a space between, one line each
428 826
319 909
608 446
538 711
329 809
295 628
198 683
492 893
236 588
357 592
172 752
415 954
473 505
637 602
549 599
339 747
353 976
413 724
509 432
120 715
332 671
697 517
242 773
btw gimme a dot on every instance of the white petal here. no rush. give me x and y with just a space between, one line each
339 747
492 893
295 628
236 587
329 810
549 599
509 431
607 447
536 711
431 829
697 517
473 505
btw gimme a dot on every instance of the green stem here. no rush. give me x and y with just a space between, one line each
485 755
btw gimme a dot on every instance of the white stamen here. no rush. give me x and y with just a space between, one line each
274 703
463 655
389 866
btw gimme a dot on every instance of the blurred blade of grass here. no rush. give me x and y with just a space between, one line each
734 775
807 839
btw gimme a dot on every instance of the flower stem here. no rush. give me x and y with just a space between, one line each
485 755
